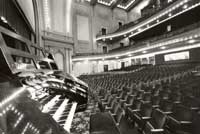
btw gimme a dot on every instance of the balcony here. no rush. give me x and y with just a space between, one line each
179 40
172 11
146 13
161 37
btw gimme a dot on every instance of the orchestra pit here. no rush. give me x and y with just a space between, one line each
99 66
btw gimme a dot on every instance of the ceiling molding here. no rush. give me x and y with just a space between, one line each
133 5
114 4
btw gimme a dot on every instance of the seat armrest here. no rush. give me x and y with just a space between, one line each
177 102
157 130
145 101
135 110
132 95
118 97
185 122
127 105
173 119
113 114
104 103
194 108
155 106
122 100
108 108
146 118
102 99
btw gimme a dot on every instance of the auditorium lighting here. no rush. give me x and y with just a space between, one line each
191 41
151 46
127 6
106 3
153 18
185 6
163 47
144 52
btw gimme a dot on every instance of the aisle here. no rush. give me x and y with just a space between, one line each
80 124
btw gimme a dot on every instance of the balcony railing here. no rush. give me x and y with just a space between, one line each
167 35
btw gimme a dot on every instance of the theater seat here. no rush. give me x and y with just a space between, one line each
175 97
180 121
195 124
155 92
133 108
110 105
114 109
103 123
191 103
140 95
118 116
155 101
164 95
156 124
143 115
128 102
166 106
132 92
103 104
146 98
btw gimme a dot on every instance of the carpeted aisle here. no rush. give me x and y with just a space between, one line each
80 124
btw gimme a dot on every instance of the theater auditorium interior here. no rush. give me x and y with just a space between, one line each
99 66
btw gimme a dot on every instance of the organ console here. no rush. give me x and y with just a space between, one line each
35 96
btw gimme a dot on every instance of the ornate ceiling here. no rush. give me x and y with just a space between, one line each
123 4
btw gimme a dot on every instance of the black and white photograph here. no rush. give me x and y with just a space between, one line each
99 66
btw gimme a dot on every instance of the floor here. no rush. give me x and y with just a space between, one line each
80 124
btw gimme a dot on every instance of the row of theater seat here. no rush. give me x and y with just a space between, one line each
139 106
169 107
117 81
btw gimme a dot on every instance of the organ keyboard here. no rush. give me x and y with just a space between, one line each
61 109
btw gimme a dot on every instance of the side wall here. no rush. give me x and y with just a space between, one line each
194 57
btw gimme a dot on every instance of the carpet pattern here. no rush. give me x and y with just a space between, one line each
80 124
